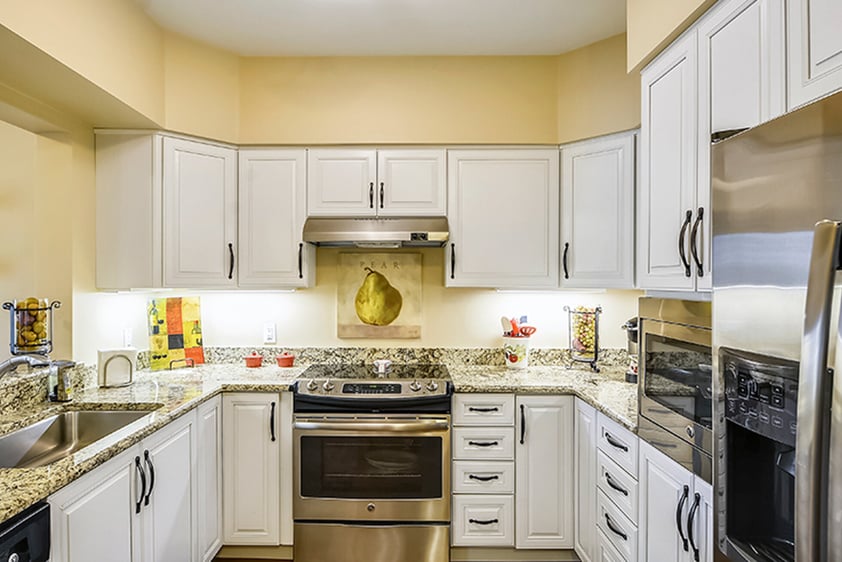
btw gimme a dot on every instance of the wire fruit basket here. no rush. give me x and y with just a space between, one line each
584 334
30 325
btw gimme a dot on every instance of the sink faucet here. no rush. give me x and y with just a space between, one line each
12 363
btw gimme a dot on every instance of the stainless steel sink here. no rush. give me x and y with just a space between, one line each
61 435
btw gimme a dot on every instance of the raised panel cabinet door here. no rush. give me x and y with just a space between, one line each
503 209
701 522
814 47
209 478
667 191
411 182
272 211
341 182
95 517
251 477
544 505
597 212
200 214
169 506
666 496
585 481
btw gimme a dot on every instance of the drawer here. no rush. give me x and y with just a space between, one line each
617 485
605 551
618 529
483 520
618 443
483 477
483 443
483 409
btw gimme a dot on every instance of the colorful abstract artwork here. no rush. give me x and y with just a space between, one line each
175 333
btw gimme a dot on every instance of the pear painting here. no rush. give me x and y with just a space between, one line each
377 303
379 295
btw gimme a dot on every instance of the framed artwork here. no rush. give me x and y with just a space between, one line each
379 295
175 333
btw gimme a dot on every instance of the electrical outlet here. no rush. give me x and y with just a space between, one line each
269 335
127 337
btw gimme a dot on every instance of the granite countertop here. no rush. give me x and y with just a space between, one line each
168 395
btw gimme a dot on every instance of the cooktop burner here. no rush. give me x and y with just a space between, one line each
369 372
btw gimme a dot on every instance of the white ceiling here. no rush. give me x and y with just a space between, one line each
392 27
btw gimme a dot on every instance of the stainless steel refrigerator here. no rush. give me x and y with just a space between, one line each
777 207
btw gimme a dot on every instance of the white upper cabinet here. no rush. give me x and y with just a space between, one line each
272 211
597 212
814 47
503 209
668 141
367 182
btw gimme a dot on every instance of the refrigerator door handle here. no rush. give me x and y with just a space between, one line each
813 393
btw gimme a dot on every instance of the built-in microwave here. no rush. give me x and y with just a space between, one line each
675 386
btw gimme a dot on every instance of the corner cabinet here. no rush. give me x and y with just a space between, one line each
585 478
814 49
503 214
597 213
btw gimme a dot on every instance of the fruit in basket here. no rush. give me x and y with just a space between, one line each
377 303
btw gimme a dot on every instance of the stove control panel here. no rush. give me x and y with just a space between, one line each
371 389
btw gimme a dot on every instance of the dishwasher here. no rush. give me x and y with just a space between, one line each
26 536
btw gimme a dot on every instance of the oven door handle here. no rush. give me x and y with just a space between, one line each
358 426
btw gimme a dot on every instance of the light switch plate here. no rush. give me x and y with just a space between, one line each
127 337
269 335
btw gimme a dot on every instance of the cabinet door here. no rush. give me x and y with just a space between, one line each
169 524
251 478
741 84
502 209
666 495
814 47
209 478
200 214
584 427
341 182
272 211
95 517
411 182
668 167
597 212
544 472
701 522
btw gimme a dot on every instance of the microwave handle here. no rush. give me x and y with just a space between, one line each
813 393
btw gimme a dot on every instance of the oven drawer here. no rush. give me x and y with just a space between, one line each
483 443
483 521
483 409
617 485
334 542
618 529
618 443
484 477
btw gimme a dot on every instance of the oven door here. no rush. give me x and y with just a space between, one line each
372 468
676 380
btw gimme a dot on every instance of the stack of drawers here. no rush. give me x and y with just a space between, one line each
483 470
617 492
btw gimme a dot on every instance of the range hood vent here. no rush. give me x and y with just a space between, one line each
377 233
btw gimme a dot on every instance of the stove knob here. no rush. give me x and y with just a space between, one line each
328 386
415 386
311 386
432 386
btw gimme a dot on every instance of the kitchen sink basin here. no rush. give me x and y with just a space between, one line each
59 436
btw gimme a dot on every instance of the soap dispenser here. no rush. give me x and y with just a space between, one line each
61 387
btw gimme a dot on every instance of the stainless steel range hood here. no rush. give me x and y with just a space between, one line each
376 232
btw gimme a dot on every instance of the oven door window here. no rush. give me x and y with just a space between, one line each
371 467
678 376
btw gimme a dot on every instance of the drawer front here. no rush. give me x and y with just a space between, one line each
483 477
483 443
618 529
618 443
483 520
483 409
605 551
617 485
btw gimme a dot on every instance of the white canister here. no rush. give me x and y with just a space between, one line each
516 352
115 367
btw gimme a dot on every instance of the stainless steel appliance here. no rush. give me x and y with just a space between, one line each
372 464
777 200
26 536
675 385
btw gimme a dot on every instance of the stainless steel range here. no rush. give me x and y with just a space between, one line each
372 464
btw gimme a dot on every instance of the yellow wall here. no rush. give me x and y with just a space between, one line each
595 94
652 24
398 100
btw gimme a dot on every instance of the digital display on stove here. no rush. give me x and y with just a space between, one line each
371 388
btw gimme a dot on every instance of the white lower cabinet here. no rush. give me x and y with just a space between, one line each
139 506
251 469
585 476
209 478
483 520
605 551
620 531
